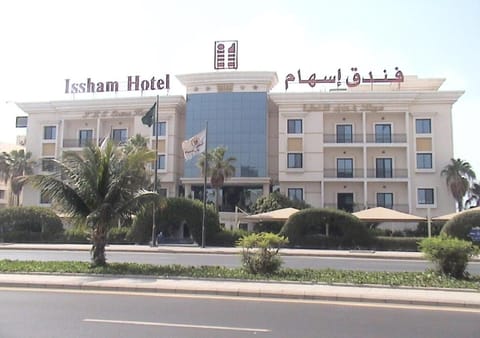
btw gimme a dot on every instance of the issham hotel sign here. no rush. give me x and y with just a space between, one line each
133 83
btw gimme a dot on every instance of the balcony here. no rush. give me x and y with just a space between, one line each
387 173
76 143
386 138
81 143
342 173
342 139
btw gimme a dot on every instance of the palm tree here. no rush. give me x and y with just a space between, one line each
219 169
458 174
14 167
98 187
474 199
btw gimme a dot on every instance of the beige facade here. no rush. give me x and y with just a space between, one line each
382 144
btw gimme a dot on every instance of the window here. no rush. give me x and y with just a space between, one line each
344 133
294 126
424 161
383 168
85 137
161 162
161 129
2 194
425 196
423 126
295 194
295 160
345 201
383 133
49 132
344 167
119 135
48 164
385 199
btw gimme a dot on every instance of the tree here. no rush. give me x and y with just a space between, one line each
219 169
474 199
275 201
14 167
458 175
98 186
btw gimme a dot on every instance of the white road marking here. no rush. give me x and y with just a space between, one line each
189 326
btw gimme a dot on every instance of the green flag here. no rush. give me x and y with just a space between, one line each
147 119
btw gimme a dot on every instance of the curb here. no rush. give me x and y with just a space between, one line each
307 292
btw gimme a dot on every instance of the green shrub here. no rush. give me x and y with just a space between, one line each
344 229
460 225
273 227
422 229
395 243
77 234
118 235
30 224
171 214
227 238
260 252
451 255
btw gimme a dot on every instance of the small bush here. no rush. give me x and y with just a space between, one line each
451 255
227 238
260 252
460 225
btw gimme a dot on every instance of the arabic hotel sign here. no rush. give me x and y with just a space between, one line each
354 81
226 55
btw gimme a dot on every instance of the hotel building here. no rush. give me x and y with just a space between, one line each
375 144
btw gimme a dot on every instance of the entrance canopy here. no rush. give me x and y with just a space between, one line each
272 216
453 214
380 214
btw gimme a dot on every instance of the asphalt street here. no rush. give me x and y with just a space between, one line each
74 313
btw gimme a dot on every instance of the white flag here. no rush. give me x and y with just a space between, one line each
195 145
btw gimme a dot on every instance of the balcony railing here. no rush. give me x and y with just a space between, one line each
386 138
343 173
387 173
343 139
358 138
80 143
77 143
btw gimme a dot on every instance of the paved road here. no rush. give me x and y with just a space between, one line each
229 260
67 313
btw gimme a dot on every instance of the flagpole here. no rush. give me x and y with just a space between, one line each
205 166
155 174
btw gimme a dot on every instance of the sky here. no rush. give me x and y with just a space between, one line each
45 42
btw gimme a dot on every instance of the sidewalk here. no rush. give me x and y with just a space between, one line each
376 294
